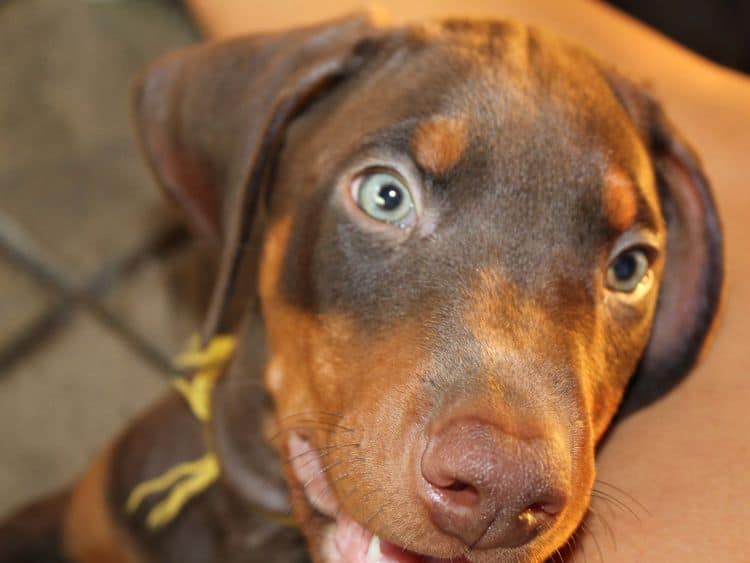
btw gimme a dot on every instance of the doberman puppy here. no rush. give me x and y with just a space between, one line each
451 254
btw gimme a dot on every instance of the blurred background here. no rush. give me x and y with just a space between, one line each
717 29
99 283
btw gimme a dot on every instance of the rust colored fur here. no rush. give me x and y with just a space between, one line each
90 533
439 143
620 201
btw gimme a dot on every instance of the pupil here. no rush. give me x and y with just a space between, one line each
625 267
389 197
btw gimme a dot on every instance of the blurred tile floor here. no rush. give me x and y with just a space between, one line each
73 183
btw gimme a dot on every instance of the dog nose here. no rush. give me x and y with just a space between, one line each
487 488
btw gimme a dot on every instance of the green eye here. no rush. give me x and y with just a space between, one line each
627 270
384 196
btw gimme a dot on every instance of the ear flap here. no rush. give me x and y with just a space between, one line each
692 282
211 120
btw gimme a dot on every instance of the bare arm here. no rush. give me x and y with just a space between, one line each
686 458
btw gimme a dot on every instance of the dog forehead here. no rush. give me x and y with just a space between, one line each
531 127
432 91
511 91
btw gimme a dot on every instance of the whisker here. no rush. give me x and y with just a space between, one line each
318 457
348 494
370 493
322 455
364 527
310 413
330 482
298 421
409 541
624 493
323 471
585 553
572 545
366 523
329 486
615 502
316 426
610 532
322 450
596 541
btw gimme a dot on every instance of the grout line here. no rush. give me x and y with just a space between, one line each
26 254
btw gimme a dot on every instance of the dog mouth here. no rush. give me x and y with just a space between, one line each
345 540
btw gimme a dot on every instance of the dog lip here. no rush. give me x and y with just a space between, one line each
348 541
309 470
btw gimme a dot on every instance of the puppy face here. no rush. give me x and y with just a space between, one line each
470 237
458 277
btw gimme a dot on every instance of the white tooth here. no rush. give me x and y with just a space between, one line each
373 553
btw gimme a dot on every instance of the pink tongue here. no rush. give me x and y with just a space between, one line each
350 543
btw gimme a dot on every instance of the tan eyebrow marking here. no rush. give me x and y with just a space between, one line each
620 200
439 142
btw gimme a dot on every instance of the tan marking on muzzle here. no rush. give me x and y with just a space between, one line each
439 142
331 372
620 200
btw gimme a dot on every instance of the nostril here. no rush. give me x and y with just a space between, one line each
541 509
458 486
538 514
460 493
550 505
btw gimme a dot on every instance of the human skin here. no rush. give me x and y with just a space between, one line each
681 465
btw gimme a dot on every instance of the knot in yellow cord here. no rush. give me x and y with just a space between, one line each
209 362
189 479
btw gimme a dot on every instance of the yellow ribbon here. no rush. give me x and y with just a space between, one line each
189 479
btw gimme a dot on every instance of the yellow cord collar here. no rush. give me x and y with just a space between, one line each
187 480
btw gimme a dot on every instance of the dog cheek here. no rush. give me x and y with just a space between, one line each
619 342
374 380
289 331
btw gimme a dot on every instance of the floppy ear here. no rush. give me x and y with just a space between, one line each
692 282
211 120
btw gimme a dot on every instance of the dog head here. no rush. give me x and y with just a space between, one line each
467 241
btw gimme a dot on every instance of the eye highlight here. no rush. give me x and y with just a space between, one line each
384 196
627 270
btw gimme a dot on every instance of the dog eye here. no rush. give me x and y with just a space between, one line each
627 270
385 197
